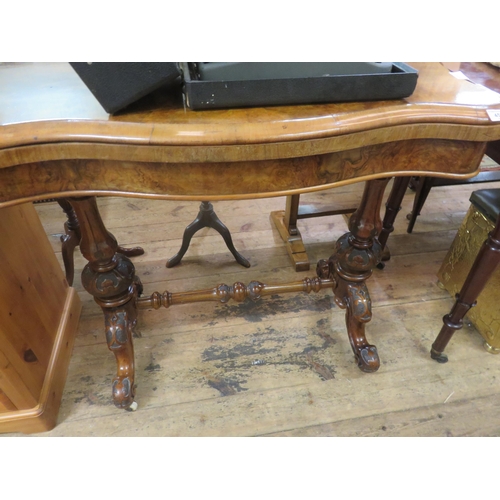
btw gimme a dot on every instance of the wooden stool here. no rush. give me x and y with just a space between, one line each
486 205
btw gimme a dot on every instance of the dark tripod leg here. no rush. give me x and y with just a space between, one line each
224 232
206 218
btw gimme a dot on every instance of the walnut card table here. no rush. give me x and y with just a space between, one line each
57 142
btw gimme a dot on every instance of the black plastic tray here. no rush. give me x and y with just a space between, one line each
398 81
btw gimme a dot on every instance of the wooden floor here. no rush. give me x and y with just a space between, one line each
282 366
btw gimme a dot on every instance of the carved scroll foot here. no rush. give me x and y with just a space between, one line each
351 293
368 360
358 312
355 298
119 326
356 254
116 291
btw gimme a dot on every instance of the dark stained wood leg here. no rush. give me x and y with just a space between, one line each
206 218
110 278
424 187
216 224
72 238
393 206
356 254
485 264
130 252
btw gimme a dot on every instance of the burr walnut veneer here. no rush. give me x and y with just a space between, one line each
57 142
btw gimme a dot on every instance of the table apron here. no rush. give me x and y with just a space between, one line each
237 179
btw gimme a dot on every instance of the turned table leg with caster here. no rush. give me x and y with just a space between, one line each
110 278
356 254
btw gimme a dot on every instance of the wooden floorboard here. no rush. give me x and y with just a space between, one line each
282 366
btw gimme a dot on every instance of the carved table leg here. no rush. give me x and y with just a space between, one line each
110 277
485 264
72 238
392 207
356 254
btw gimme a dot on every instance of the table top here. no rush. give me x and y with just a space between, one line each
57 141
44 103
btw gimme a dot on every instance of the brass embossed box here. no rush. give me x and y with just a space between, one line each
485 316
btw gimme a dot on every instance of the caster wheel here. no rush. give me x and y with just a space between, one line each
439 356
133 406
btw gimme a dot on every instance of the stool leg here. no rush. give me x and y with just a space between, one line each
486 261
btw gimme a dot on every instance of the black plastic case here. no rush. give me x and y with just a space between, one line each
397 81
116 85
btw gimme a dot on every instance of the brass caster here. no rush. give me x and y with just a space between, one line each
133 406
490 348
440 285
